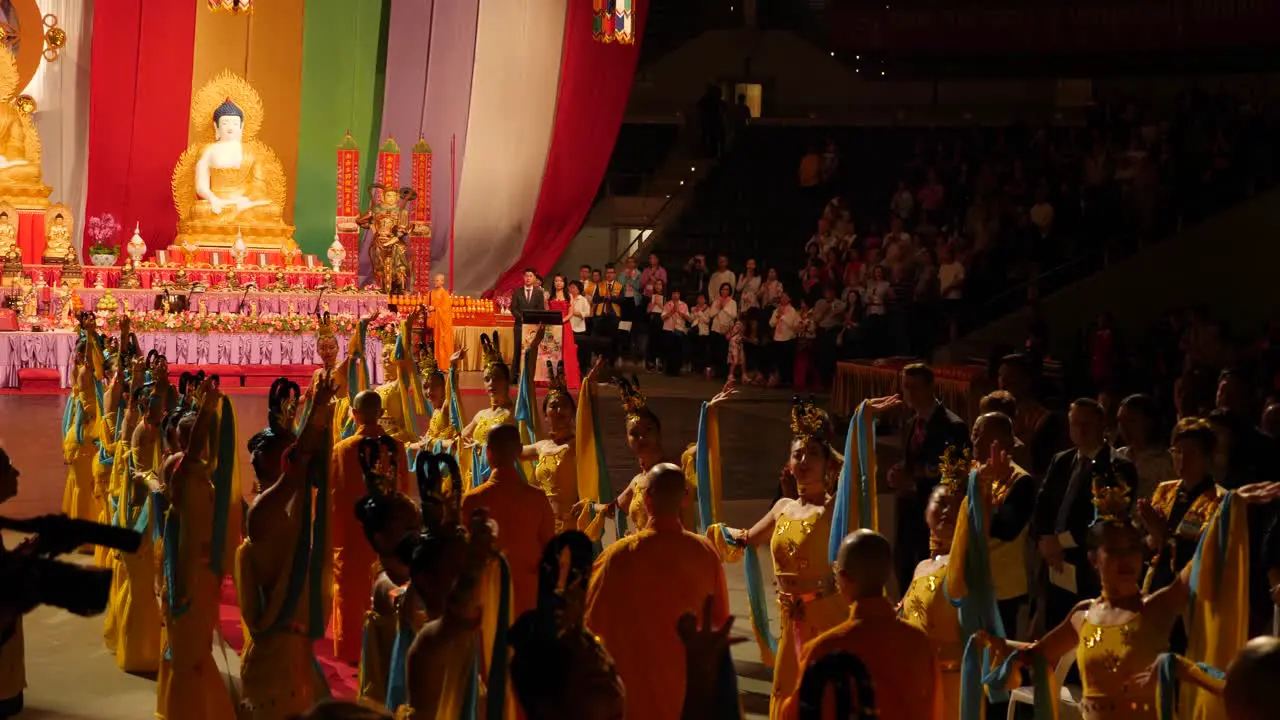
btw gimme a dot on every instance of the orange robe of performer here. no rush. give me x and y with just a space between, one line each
640 587
353 558
525 526
901 660
441 323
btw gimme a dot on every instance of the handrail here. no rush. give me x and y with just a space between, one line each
646 231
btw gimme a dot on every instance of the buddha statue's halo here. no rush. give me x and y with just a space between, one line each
225 88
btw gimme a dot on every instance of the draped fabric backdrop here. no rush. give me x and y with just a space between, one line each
61 91
513 97
265 48
139 101
343 56
595 84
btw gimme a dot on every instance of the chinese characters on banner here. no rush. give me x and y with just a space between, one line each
420 216
348 202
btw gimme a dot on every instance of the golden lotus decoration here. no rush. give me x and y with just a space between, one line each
230 183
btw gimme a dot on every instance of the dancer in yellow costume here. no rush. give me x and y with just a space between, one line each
199 545
501 411
80 428
555 469
445 425
403 398
105 490
1119 636
386 516
133 616
798 531
281 598
337 374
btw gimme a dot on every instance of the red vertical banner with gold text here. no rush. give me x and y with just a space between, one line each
349 202
420 215
388 165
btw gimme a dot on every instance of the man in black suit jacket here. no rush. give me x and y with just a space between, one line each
527 297
1064 507
927 435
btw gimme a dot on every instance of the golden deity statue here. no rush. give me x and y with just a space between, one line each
9 230
389 250
234 184
59 228
20 179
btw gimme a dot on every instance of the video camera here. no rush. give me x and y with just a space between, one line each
30 574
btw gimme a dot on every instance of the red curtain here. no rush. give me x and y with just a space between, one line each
595 84
139 108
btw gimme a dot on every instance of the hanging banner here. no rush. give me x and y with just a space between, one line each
349 202
420 216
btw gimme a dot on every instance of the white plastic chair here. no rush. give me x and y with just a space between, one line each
1068 695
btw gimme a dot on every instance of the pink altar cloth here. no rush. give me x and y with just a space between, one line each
22 350
225 301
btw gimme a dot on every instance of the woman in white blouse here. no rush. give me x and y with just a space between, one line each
786 325
675 322
579 311
723 313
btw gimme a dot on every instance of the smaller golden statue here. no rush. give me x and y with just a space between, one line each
20 179
28 302
59 228
129 276
279 283
389 251
9 230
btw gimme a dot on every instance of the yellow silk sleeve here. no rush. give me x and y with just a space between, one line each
1219 614
727 551
958 559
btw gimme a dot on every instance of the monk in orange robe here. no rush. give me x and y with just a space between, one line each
440 320
642 585
352 557
908 681
522 512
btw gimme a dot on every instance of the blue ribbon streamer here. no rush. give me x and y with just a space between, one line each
702 467
497 681
398 669
756 592
844 489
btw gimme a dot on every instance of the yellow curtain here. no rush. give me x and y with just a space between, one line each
265 47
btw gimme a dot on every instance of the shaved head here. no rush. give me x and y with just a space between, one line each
864 564
504 446
666 491
367 407
1251 677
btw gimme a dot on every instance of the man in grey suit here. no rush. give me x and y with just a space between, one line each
527 297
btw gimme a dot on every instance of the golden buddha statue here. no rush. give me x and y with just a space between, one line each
234 184
20 179
9 230
58 231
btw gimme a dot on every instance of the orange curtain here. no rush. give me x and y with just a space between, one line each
265 47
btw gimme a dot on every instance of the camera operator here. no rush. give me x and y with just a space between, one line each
12 664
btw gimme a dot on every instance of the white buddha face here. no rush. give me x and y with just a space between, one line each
228 127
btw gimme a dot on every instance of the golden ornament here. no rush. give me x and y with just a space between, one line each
55 38
25 104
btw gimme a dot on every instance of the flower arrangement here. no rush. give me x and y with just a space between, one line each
102 229
385 327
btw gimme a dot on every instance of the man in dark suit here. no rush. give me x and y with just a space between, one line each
1064 508
927 435
527 297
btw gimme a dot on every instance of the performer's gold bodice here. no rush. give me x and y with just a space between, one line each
1110 655
556 477
799 548
492 419
440 427
925 605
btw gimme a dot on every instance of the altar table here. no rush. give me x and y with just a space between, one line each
150 277
304 303
56 350
958 387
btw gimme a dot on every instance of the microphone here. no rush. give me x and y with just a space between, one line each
247 287
320 297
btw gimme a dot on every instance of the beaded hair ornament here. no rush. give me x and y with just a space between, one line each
491 351
954 467
426 358
808 421
379 461
556 384
634 403
1110 500
325 330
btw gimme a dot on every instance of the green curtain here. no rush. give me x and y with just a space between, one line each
344 51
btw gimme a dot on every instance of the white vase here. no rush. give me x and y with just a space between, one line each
103 260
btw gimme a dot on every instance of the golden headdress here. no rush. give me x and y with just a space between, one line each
492 352
1110 499
954 467
426 357
325 330
556 385
634 403
808 421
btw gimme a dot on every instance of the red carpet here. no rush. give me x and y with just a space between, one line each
342 677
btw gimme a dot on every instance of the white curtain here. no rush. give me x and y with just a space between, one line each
513 102
61 92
